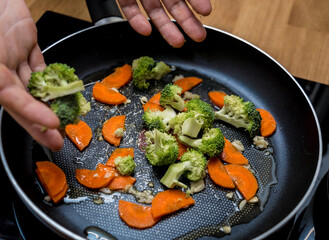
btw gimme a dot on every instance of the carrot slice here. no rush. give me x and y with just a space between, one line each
58 197
53 179
232 155
152 106
217 98
156 98
80 134
218 173
169 201
121 183
107 95
120 77
188 83
268 123
136 215
101 177
244 180
119 152
111 126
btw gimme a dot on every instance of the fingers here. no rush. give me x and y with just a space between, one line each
202 7
36 60
178 9
186 19
50 138
136 19
14 97
160 19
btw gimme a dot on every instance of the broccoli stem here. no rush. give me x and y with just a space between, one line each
238 122
171 177
193 143
191 127
70 88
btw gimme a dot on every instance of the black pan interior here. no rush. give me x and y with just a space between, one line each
226 63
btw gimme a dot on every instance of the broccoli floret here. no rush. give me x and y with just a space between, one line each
159 119
193 163
187 123
170 96
125 165
199 115
211 143
84 105
241 114
146 68
161 148
57 80
69 108
203 108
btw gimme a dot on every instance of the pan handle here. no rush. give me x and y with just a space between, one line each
104 11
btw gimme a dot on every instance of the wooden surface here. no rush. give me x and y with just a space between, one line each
294 32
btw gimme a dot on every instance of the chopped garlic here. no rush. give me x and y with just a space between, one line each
238 145
260 142
197 186
189 95
143 100
177 77
118 132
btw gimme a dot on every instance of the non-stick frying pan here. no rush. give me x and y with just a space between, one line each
286 171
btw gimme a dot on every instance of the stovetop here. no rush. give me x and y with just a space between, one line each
16 221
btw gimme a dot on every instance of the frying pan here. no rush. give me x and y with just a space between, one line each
286 171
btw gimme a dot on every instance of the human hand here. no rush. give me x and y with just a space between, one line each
178 9
20 56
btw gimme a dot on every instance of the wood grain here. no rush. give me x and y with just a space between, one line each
294 32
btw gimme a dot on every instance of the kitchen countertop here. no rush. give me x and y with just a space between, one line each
294 32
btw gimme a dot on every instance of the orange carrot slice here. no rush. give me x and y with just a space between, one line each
109 128
101 177
232 155
156 98
119 152
80 134
53 179
58 197
107 95
244 180
217 98
120 77
136 215
218 173
169 201
121 183
268 123
152 106
188 83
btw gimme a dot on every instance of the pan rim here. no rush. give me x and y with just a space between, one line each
64 231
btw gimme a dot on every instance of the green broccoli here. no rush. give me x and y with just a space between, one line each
199 115
159 119
161 148
146 68
170 96
203 108
241 114
57 80
193 163
125 165
187 123
69 108
211 143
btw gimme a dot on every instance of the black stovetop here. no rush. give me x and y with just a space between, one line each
16 221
